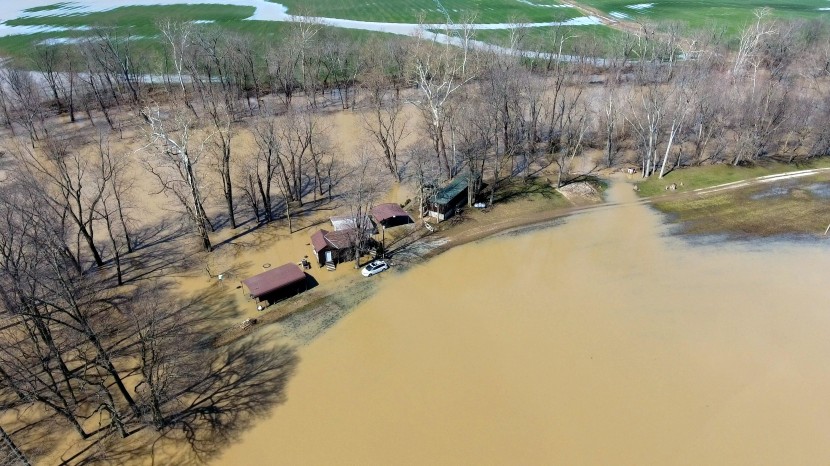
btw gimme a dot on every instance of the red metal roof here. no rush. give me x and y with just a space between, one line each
383 212
318 240
343 239
274 279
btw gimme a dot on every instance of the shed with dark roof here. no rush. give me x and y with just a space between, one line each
276 284
443 204
390 215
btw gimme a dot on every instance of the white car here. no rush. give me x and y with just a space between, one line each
374 267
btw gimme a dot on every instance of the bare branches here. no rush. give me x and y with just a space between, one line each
173 160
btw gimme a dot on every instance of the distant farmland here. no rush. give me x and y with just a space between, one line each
701 13
408 11
45 22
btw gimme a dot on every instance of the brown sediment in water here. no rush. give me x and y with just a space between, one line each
601 341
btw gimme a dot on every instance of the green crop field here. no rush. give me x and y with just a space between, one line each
732 14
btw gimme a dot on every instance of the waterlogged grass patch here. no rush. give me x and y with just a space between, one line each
141 19
801 209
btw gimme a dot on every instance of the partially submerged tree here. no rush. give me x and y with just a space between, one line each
363 191
439 70
173 158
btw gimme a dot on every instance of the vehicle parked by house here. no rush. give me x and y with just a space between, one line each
375 267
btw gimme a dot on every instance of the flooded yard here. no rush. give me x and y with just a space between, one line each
599 341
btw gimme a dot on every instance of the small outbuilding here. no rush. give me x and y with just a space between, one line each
333 247
390 215
276 284
444 203
348 222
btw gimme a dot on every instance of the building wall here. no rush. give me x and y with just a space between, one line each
445 211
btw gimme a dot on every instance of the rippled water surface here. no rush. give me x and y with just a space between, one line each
600 341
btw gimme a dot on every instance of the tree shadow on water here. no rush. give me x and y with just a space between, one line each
243 383
218 396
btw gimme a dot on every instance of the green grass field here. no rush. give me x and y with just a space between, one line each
396 11
142 19
582 39
141 22
433 11
733 15
713 175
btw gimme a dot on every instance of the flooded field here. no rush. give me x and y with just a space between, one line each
600 341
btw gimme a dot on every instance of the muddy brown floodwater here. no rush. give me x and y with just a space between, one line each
600 341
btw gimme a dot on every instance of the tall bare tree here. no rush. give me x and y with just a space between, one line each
173 160
439 70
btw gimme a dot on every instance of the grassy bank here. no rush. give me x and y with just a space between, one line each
785 208
794 206
714 175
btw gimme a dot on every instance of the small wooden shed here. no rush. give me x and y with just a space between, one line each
276 284
333 247
444 203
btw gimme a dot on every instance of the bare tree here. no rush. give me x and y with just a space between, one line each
57 67
763 113
115 185
363 191
25 101
572 139
74 188
477 136
646 118
173 159
426 174
750 43
439 71
268 164
178 39
679 110
302 137
385 121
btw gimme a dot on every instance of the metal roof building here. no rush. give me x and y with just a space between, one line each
277 283
390 215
